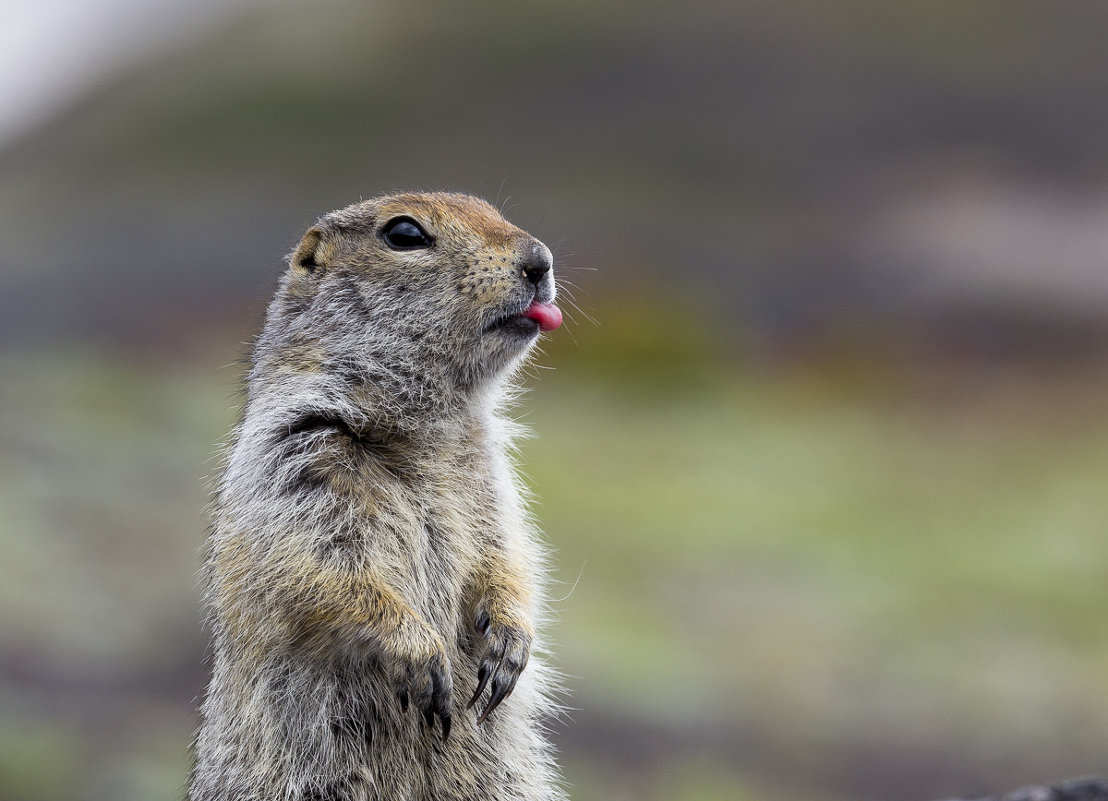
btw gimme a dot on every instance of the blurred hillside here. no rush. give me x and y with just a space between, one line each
813 171
825 479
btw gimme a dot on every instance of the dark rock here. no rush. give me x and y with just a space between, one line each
1086 789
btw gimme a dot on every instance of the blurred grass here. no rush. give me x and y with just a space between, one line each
811 562
791 546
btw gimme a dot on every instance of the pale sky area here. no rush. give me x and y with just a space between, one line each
52 51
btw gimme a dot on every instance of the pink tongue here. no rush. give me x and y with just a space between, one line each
547 315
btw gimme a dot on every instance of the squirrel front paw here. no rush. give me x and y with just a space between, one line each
427 683
507 648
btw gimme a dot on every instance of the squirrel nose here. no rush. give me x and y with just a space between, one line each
536 263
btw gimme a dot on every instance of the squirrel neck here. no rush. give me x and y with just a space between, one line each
419 412
377 382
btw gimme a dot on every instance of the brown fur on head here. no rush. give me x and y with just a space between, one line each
449 308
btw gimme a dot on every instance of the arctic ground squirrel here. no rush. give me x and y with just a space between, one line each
374 582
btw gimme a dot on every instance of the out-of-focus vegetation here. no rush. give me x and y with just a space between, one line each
795 168
825 482
762 586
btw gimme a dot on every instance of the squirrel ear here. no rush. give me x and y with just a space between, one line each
308 256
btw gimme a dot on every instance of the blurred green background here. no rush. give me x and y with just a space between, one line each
824 453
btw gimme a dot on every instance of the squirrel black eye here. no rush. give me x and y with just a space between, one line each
404 233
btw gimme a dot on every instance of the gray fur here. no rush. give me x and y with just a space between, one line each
367 517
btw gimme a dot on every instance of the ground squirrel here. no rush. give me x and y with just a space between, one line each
371 567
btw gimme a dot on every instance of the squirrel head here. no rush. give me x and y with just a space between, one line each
433 293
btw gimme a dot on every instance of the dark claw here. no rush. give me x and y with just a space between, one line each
500 690
445 726
440 700
429 687
482 623
482 680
